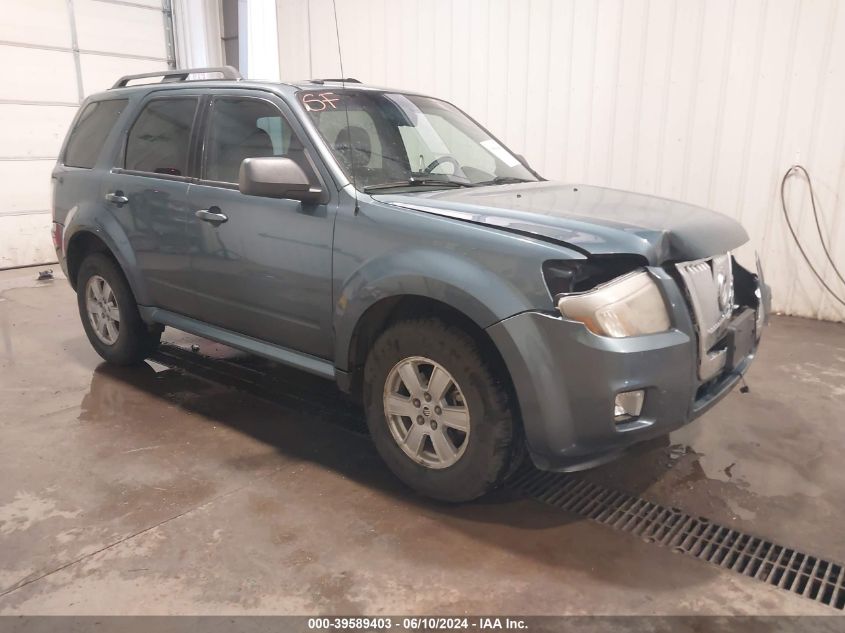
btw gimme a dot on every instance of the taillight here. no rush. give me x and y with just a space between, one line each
56 230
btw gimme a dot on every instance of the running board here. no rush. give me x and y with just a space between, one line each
305 362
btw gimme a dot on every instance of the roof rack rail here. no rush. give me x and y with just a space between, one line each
348 80
180 74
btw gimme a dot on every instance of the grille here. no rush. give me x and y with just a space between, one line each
709 286
786 568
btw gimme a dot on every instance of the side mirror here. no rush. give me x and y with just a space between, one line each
275 177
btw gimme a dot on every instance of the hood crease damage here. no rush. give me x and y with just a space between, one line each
589 220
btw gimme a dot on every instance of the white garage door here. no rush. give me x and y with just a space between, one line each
53 54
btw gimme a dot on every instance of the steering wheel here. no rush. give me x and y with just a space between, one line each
440 161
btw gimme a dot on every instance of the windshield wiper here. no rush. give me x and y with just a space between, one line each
502 180
417 182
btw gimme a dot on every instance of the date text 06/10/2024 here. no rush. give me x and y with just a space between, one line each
416 623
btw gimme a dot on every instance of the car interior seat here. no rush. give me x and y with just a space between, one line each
234 147
354 145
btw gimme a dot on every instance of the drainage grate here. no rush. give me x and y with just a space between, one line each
751 556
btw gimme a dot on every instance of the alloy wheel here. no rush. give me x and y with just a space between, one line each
103 311
426 412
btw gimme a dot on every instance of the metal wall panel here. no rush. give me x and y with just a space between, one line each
22 239
120 28
55 52
707 102
41 22
20 83
24 191
38 131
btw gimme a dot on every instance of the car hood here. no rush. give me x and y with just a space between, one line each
592 220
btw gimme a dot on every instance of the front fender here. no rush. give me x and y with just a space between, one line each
445 277
105 226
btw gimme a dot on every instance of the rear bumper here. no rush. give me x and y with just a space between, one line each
566 379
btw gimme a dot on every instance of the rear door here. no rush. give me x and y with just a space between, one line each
148 193
79 171
266 270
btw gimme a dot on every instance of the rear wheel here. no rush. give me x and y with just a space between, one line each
438 411
110 315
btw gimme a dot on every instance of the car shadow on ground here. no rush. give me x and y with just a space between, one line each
305 418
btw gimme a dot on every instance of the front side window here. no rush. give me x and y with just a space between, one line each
89 134
389 140
159 140
241 128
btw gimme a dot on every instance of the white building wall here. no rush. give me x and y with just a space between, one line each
707 102
54 53
197 26
261 41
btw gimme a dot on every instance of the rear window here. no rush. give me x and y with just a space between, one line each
89 134
159 139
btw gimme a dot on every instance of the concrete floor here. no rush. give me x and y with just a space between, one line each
228 485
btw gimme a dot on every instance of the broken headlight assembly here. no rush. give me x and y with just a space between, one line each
630 304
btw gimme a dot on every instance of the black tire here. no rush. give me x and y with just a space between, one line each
135 339
494 444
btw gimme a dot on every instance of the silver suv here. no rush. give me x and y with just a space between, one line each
388 242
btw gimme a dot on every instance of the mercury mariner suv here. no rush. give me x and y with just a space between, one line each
388 242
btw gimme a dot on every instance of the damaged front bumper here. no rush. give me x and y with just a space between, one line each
567 378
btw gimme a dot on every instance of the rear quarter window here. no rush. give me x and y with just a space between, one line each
89 134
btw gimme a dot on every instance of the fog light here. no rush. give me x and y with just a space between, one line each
628 405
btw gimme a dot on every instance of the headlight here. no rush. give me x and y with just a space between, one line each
627 306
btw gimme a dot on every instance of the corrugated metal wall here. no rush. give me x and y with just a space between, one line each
53 53
707 102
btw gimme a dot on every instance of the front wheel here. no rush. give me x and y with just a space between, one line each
438 410
110 315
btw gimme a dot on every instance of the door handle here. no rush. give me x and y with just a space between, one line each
212 214
116 197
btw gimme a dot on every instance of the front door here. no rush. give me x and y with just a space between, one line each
264 270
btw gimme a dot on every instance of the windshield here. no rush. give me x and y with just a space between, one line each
393 140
